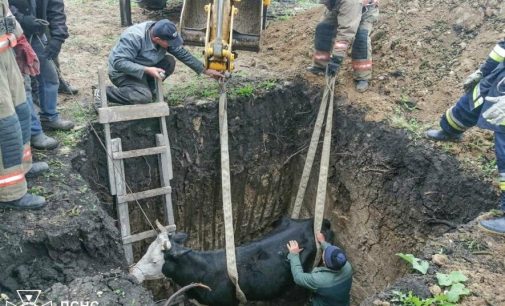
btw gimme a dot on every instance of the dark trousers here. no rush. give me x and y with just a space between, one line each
464 115
130 90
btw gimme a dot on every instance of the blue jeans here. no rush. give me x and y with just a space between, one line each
36 128
48 81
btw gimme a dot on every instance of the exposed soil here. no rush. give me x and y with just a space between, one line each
389 191
386 194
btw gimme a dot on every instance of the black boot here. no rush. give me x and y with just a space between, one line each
496 225
66 88
28 201
37 169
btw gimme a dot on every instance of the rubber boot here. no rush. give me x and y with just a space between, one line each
43 142
441 135
37 169
58 124
28 201
496 225
361 85
66 88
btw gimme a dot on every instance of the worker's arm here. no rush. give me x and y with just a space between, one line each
496 57
301 278
123 56
187 58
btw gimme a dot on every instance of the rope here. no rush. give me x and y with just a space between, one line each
231 262
295 213
324 109
323 170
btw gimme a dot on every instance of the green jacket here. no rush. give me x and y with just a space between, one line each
329 287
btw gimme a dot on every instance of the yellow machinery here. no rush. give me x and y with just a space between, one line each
222 26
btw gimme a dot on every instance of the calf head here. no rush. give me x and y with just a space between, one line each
150 265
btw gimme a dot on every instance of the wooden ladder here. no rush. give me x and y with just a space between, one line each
116 157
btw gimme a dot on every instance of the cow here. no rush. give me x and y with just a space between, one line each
263 269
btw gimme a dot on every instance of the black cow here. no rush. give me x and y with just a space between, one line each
263 269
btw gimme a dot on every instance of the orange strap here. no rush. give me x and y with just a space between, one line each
7 41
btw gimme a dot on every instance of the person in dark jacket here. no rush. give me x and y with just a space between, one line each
139 57
35 18
483 105
331 283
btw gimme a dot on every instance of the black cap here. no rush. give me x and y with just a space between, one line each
166 30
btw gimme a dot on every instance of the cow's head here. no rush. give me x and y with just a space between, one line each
150 265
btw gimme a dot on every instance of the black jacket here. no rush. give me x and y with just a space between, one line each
52 11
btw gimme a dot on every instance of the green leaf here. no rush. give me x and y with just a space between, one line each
417 264
456 291
421 265
407 257
450 279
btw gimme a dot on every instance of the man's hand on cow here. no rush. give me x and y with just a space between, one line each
213 74
320 237
293 247
155 72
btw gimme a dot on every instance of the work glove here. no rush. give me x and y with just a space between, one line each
496 113
472 80
26 58
53 48
334 65
32 25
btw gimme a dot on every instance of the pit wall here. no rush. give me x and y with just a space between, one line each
386 193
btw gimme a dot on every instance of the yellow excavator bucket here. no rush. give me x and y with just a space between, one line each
247 23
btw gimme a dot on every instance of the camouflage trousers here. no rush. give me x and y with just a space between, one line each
15 119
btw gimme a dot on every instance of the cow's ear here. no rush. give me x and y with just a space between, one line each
179 237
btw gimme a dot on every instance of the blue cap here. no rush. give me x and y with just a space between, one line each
166 30
334 258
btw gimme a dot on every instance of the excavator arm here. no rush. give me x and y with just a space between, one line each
223 26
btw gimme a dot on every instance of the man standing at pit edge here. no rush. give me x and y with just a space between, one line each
139 58
15 153
331 283
482 105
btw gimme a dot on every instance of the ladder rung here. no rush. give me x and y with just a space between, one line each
144 194
145 235
132 112
139 152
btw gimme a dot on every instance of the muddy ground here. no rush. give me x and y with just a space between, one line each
397 191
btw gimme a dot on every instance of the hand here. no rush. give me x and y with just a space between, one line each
472 80
334 65
155 72
32 25
293 247
213 74
53 48
320 237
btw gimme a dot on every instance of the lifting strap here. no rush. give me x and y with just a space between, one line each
231 263
327 110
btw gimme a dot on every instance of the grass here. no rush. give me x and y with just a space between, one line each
38 190
398 120
195 87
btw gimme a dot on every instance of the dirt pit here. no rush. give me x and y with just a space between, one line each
387 193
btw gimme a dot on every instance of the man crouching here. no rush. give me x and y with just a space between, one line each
139 58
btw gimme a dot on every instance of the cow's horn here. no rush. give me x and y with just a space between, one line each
160 227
